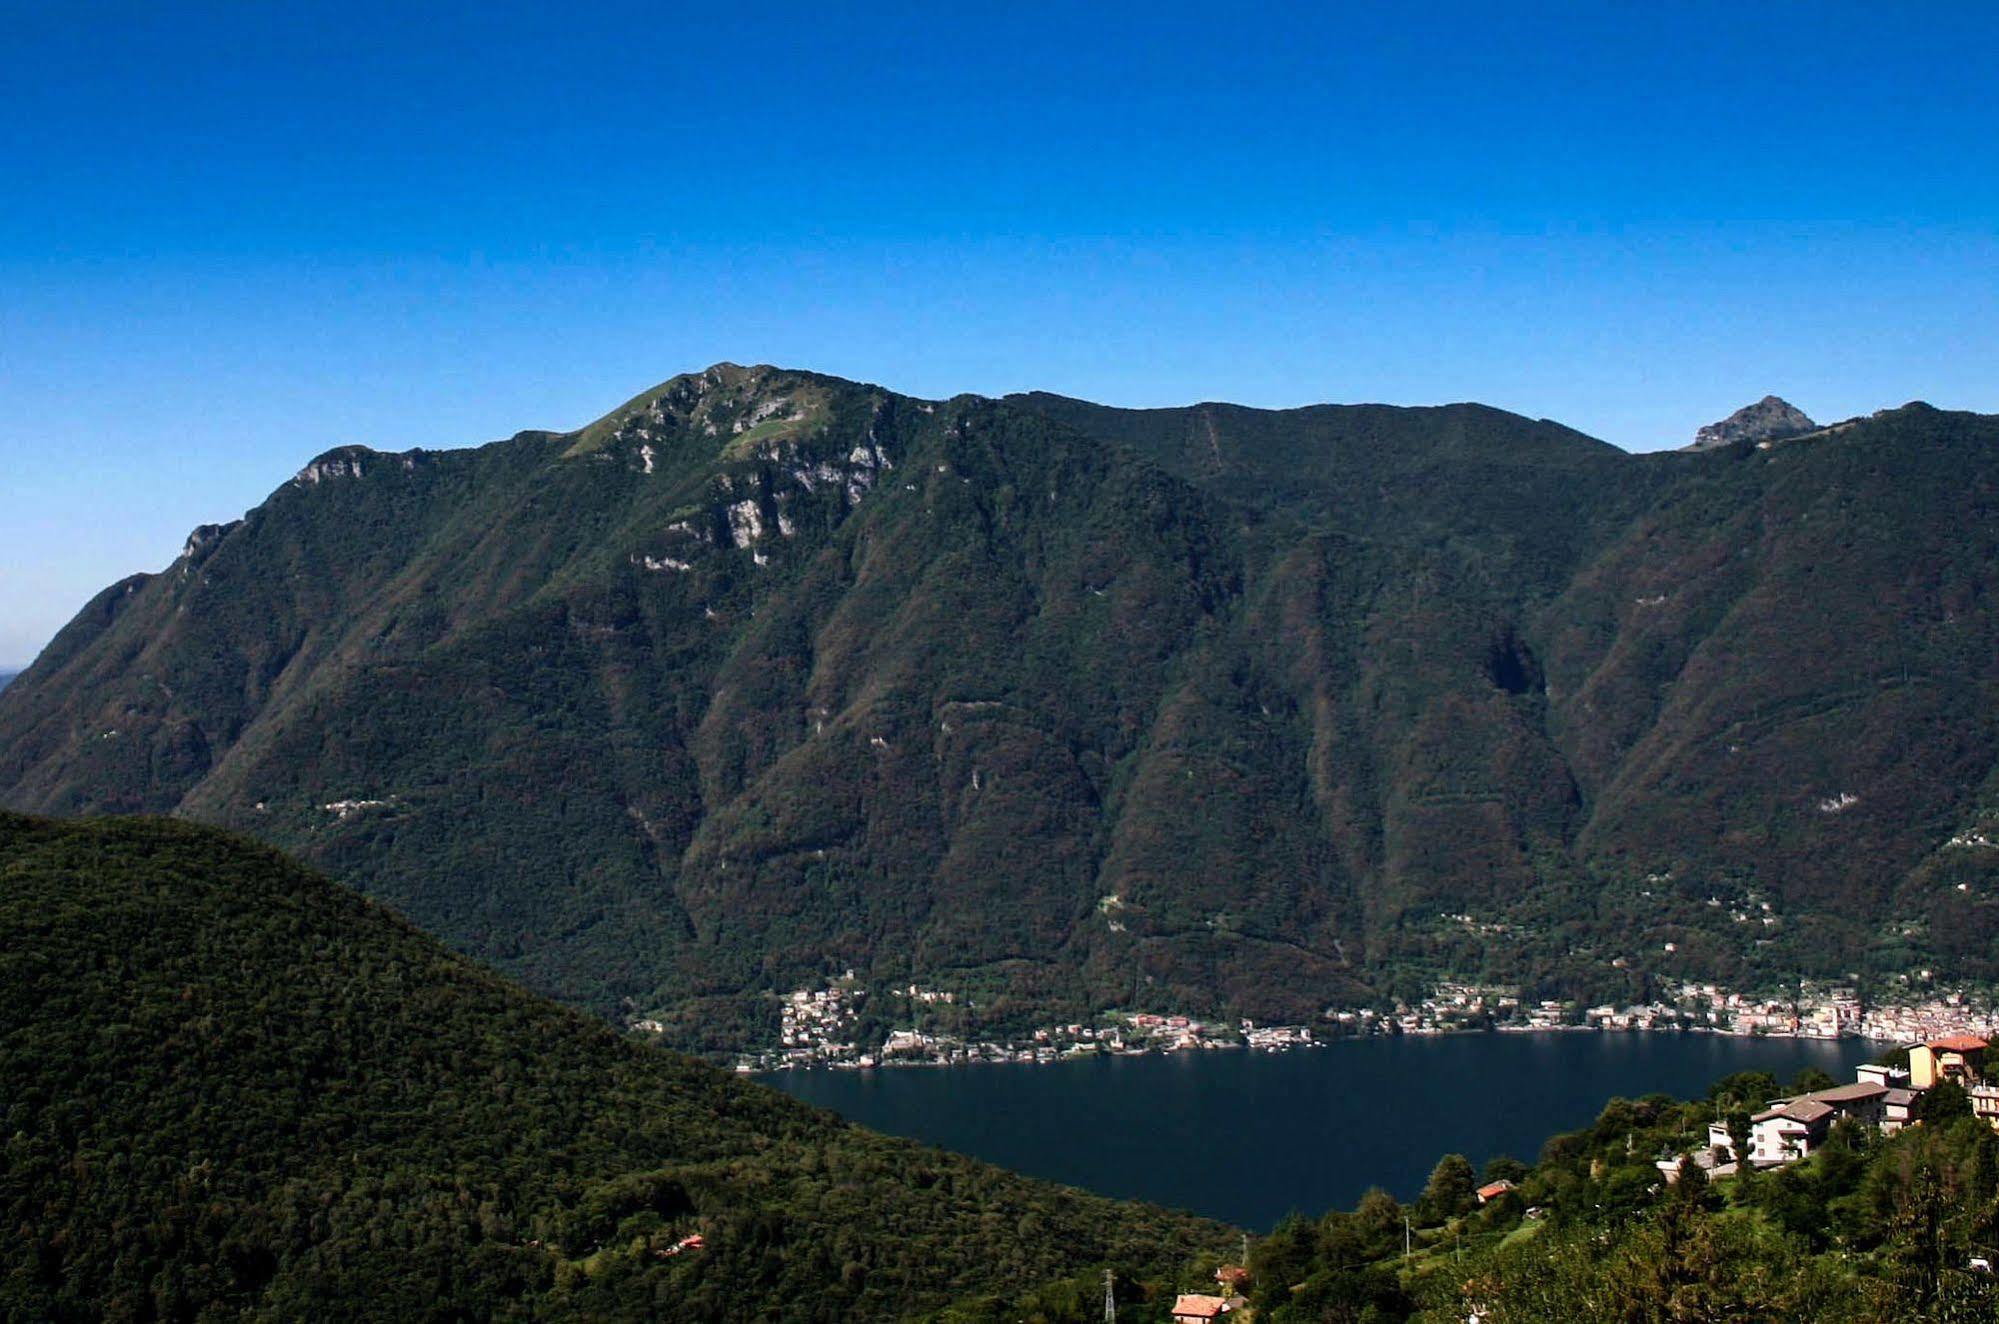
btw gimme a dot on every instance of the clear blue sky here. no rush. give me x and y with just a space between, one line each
237 234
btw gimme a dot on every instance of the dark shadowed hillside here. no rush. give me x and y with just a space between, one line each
768 675
236 1090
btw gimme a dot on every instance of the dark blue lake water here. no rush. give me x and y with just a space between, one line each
1248 1137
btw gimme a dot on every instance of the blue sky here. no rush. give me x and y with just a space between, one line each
238 234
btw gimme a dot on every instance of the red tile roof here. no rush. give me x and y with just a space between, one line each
1195 1306
1960 1043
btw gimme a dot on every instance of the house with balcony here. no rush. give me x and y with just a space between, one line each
1957 1057
1789 1129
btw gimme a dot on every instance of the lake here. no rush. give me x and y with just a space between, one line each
1248 1137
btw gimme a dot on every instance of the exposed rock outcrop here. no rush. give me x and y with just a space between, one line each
1769 419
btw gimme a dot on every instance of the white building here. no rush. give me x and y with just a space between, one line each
1789 1129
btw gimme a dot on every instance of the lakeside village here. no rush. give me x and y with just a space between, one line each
819 1027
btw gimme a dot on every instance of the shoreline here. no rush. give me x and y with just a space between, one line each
1328 1042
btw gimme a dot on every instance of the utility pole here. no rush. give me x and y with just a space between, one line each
1405 1236
1110 1298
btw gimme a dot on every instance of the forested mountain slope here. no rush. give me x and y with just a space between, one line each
769 675
236 1090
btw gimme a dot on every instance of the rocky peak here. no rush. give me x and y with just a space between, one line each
714 402
204 538
1769 419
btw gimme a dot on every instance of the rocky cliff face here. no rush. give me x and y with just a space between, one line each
1769 419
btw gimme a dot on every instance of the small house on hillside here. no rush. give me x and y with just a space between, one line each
1194 1308
1788 1130
1792 1128
1492 1190
1714 1160
1898 1109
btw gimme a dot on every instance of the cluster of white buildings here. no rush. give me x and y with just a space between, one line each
817 1024
1276 1038
1815 1012
1934 1018
818 1028
927 996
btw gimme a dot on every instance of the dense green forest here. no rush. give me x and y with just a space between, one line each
233 1090
768 675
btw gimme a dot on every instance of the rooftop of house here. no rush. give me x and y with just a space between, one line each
1805 1110
1194 1305
1819 1104
1958 1043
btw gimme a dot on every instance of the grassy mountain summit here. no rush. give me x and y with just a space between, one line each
237 1090
767 675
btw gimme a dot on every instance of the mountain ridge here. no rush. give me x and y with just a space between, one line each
781 675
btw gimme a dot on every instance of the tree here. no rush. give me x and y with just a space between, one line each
1981 1179
1915 1245
1743 1090
1452 1190
1942 1103
1739 1127
1690 1186
1380 1218
1849 1134
1809 1079
1282 1260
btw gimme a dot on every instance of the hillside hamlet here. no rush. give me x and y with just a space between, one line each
1883 1098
